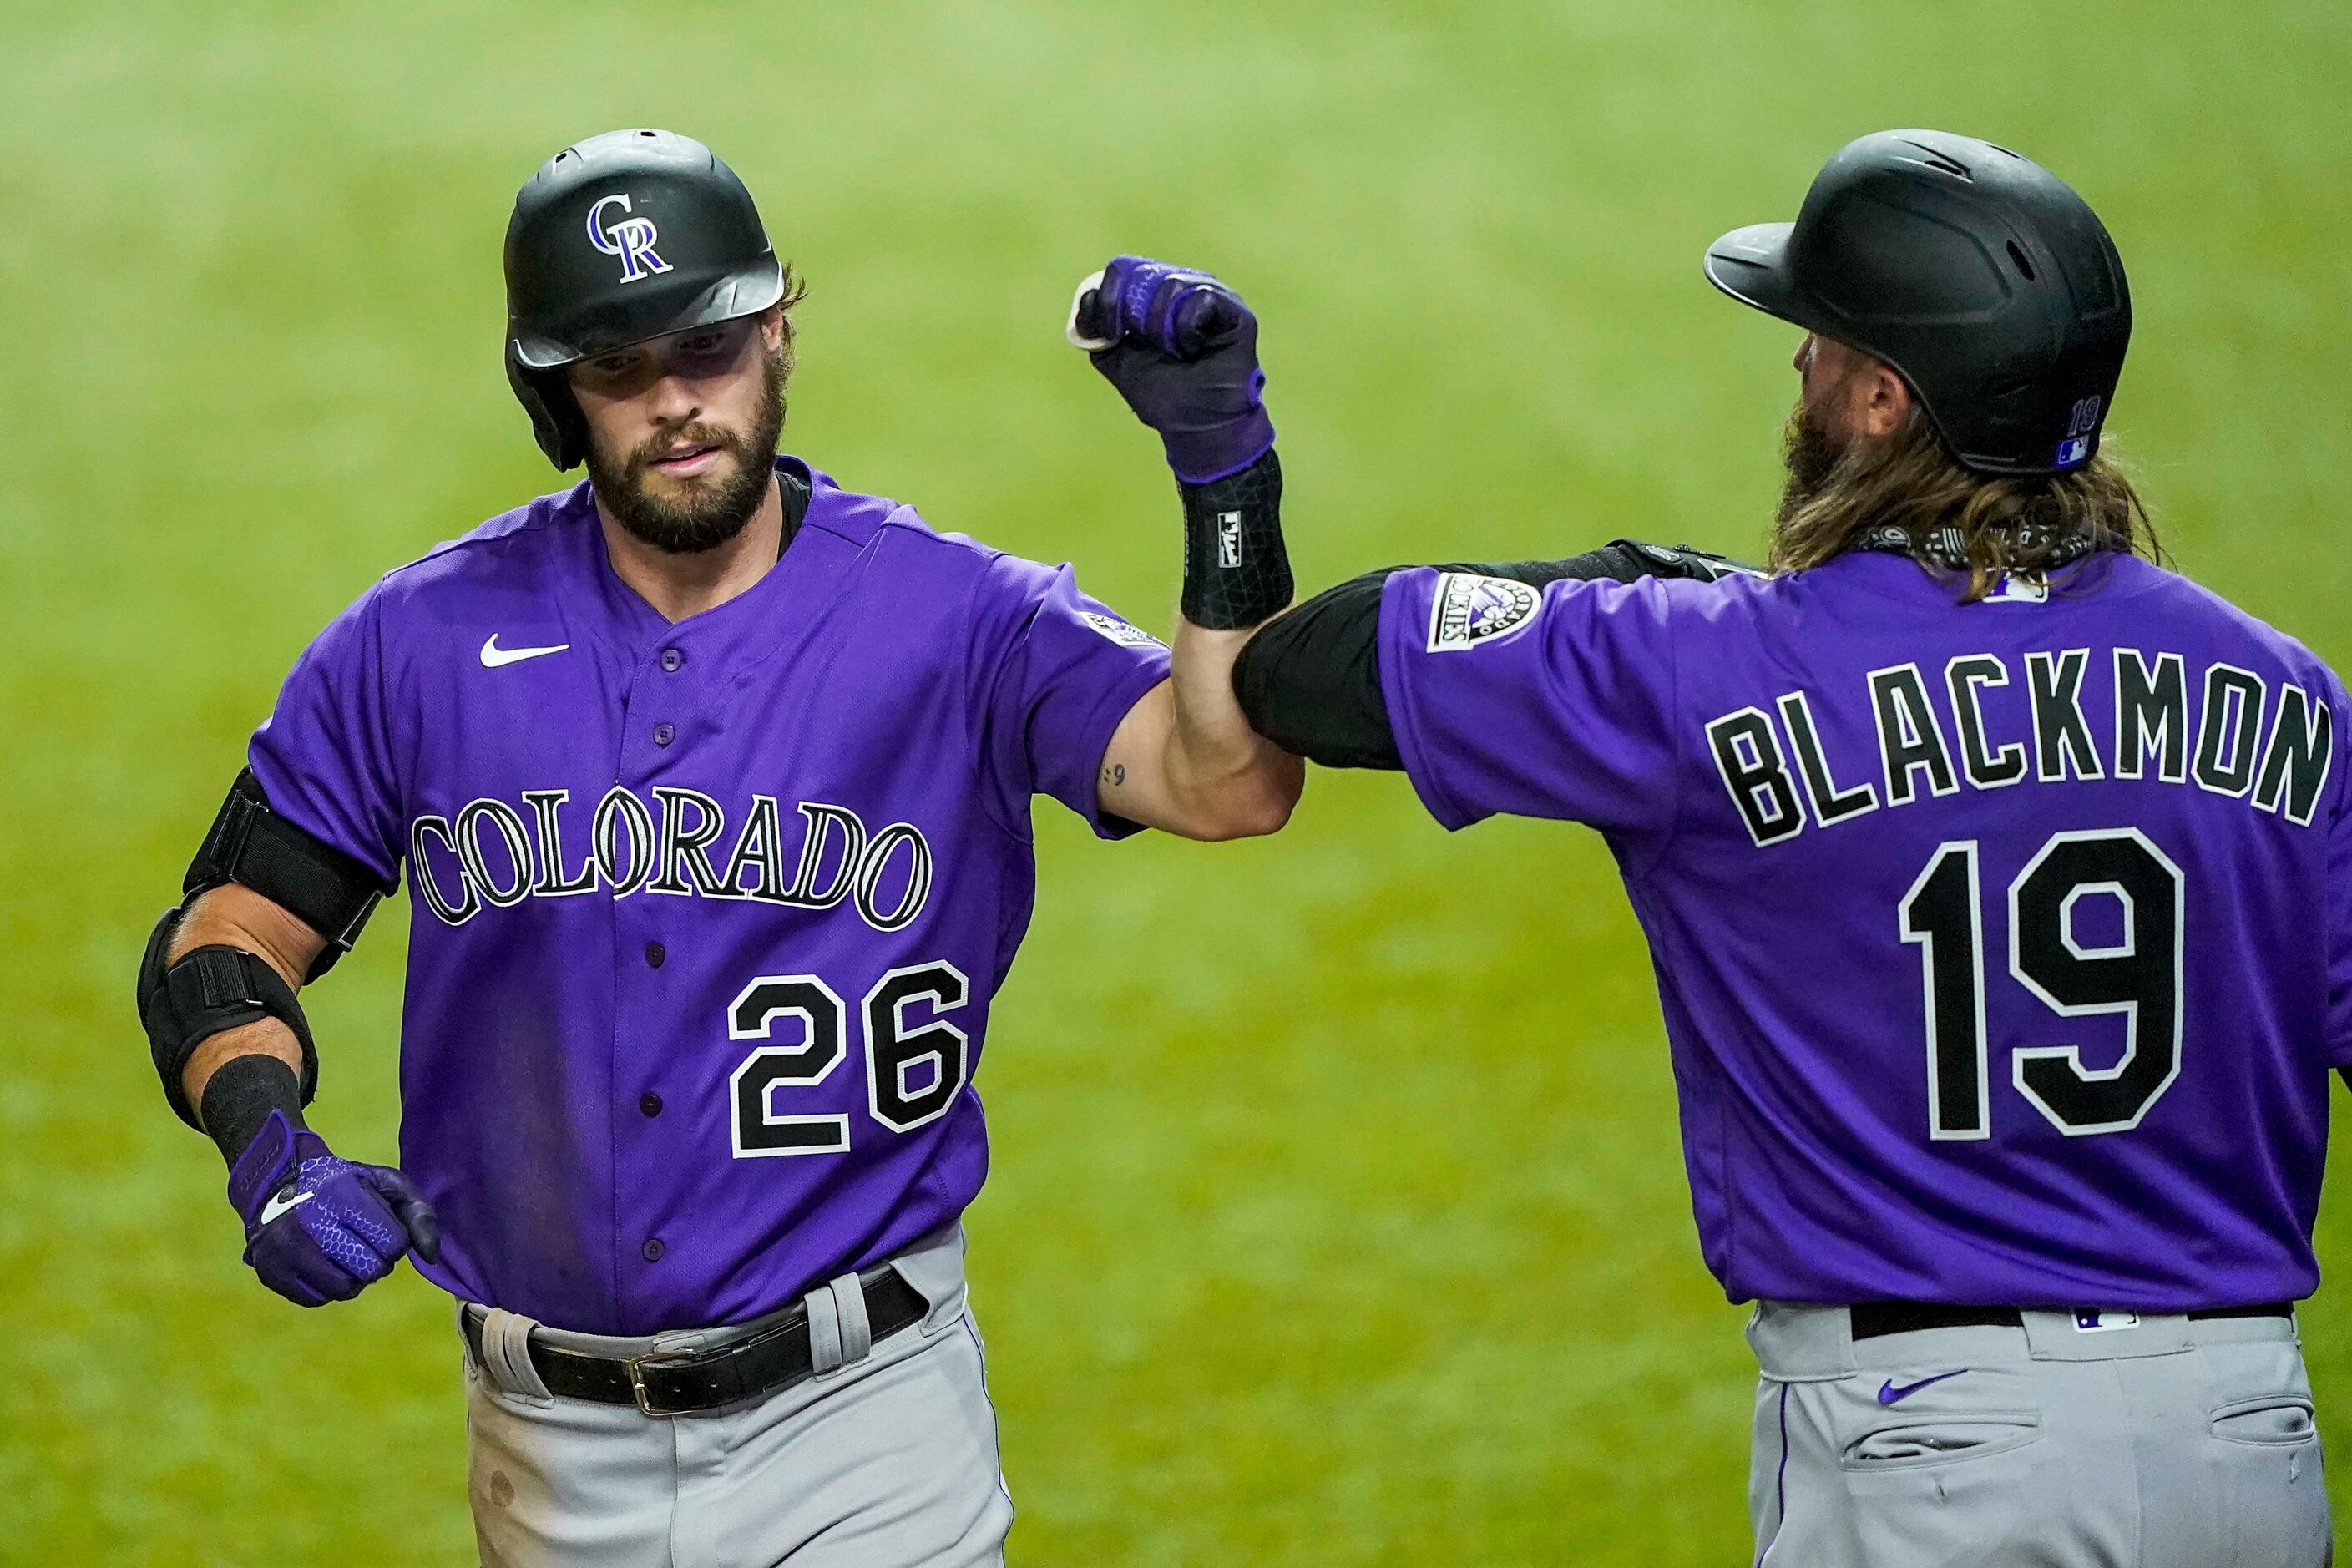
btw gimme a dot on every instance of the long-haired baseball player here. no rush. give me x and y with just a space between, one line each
712 781
1998 882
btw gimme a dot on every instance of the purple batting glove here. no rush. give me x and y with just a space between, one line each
1181 348
319 1228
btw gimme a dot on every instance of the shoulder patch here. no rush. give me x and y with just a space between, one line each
1118 631
1470 609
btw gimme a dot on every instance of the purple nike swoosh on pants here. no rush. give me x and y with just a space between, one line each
1890 1394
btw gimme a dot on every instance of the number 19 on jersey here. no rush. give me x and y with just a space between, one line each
2137 976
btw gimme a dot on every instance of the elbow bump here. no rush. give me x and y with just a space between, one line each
1267 814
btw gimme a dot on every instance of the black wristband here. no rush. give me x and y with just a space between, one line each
1236 571
240 1097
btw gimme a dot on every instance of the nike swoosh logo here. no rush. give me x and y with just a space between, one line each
282 1203
493 655
1890 1394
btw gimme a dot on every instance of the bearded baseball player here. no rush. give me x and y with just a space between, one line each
1999 883
712 781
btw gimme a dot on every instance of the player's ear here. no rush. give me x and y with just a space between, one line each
773 330
1883 403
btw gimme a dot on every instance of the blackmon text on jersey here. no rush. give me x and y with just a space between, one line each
2229 731
489 853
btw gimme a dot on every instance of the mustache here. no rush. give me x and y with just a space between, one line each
736 443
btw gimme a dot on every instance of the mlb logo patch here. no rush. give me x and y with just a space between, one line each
2072 452
1470 609
2019 588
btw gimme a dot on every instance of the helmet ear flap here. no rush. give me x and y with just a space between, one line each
555 416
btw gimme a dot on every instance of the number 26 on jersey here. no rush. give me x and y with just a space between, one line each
914 1070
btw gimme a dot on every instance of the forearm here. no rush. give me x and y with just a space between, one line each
263 1037
1225 779
233 916
1187 761
217 998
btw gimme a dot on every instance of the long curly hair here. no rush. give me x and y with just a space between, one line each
1837 490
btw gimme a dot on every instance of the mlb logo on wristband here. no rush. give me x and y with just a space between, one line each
1229 539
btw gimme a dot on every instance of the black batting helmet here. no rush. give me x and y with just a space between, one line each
1978 274
619 238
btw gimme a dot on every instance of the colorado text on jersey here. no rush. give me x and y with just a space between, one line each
489 853
2238 737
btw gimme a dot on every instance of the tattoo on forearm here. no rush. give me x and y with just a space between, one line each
1114 774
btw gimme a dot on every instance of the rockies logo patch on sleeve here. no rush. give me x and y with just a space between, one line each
1118 631
1470 609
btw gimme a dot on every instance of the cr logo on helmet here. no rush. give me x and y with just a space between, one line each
631 239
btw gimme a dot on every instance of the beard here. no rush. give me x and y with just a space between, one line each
714 508
1810 451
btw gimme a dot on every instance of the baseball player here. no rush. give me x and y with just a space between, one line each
712 781
1999 883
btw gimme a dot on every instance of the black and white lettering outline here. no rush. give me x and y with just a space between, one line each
1920 744
2077 894
1964 677
877 858
687 848
548 880
620 807
2062 732
421 875
515 838
822 820
1977 1121
887 1037
1766 799
2162 693
1831 805
2237 723
752 1016
2072 1055
759 847
2288 761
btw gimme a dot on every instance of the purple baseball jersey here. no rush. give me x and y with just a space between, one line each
706 917
2004 948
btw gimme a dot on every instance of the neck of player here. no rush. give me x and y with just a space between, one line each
679 586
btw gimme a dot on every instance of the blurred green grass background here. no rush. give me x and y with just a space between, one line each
1339 1217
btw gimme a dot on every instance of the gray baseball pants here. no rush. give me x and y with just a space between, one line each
2106 1441
887 1459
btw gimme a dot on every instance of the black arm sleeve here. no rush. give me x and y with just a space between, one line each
1310 681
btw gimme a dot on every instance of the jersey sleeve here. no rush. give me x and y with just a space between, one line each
2339 910
1066 670
324 755
1551 701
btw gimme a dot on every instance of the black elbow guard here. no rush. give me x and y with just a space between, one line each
317 883
208 992
214 989
1311 682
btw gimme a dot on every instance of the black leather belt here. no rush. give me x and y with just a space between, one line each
676 1382
1872 1319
